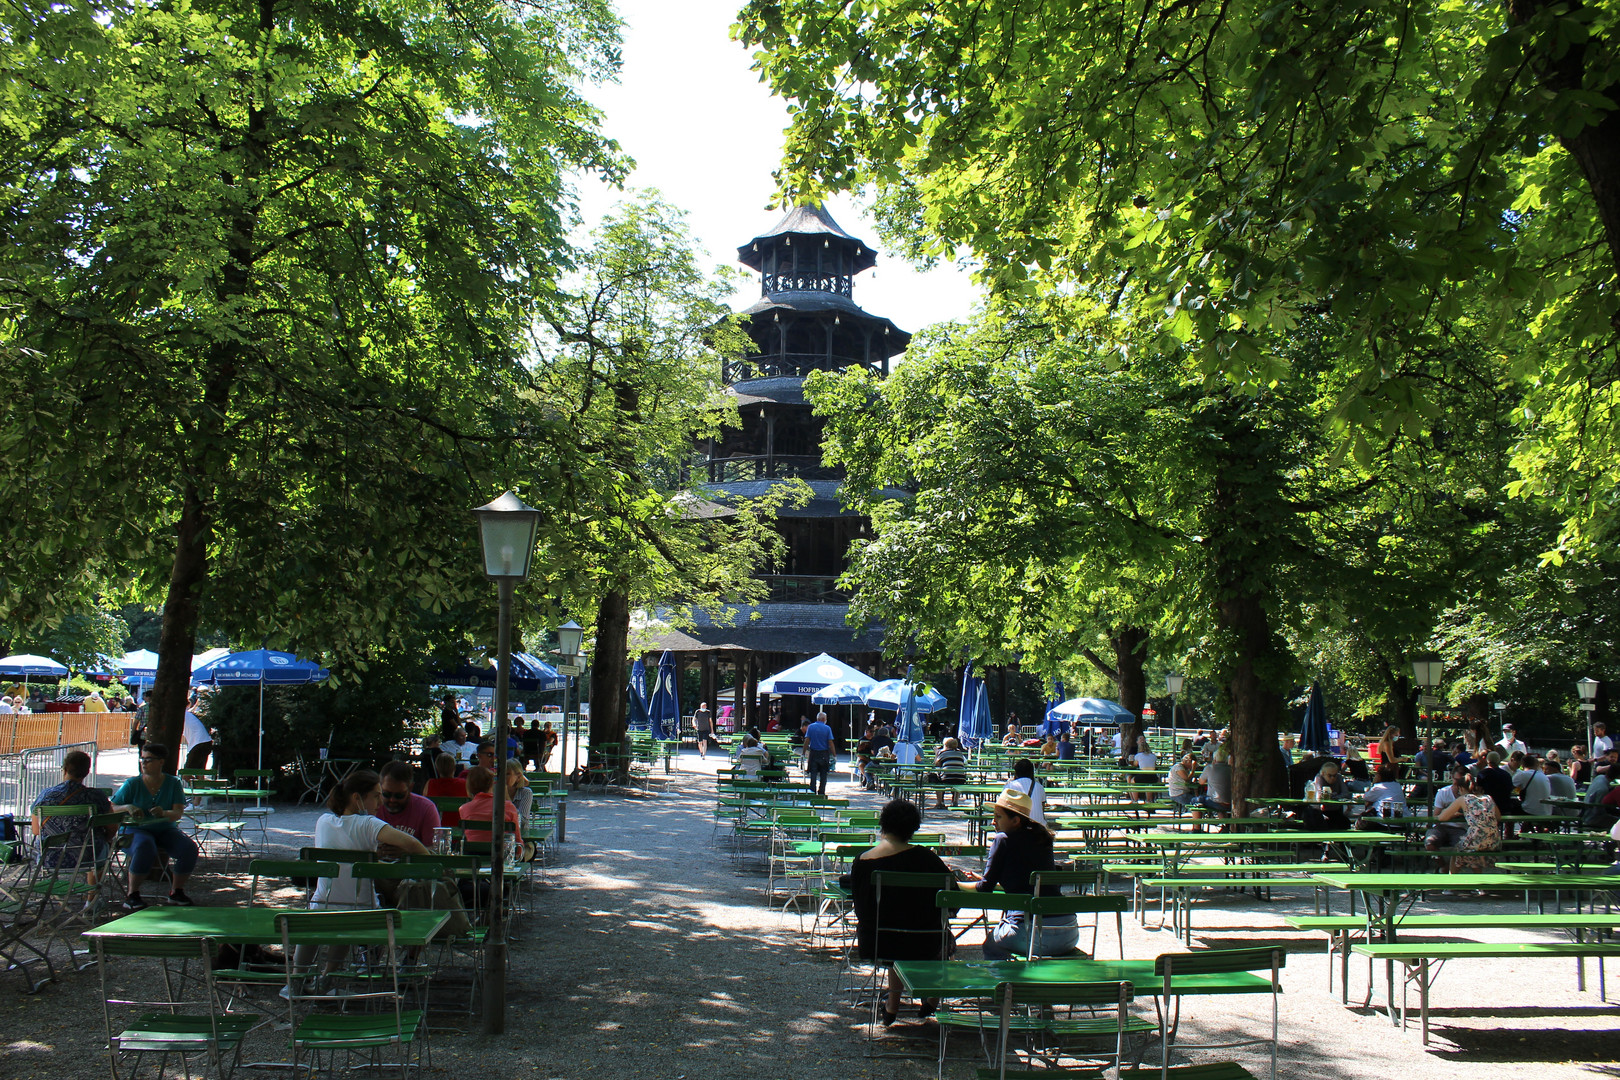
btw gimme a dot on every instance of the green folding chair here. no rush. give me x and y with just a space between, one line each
187 1020
1020 1006
374 1020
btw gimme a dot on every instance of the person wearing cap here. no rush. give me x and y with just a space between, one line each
1511 742
1021 848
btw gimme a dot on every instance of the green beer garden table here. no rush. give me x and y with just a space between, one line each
256 926
967 978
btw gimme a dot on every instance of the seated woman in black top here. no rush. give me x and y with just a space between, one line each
1021 848
912 926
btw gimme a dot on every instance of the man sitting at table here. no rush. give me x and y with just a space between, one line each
415 816
950 766
1446 834
1321 815
1217 781
87 848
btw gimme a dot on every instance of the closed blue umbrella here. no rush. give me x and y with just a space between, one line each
973 726
1054 724
638 696
908 719
258 667
664 710
1313 729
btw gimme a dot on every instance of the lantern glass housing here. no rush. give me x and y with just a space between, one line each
507 528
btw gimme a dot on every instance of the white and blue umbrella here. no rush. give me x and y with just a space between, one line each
814 674
30 666
887 695
262 667
1090 708
637 719
974 726
664 710
847 692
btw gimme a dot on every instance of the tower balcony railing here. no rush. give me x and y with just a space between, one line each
804 589
837 284
723 470
794 365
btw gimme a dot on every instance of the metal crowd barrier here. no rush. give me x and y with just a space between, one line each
24 776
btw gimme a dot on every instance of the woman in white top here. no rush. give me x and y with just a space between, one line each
1387 792
350 824
1024 780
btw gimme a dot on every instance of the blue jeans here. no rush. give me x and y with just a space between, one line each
821 762
1011 936
143 849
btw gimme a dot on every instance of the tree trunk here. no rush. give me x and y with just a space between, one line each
171 685
610 672
1130 651
1256 707
1403 703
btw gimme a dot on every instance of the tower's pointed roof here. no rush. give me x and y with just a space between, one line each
807 221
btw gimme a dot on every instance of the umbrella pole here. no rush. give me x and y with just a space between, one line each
260 765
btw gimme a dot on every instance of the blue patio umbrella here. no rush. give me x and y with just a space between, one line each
813 674
1313 729
888 693
536 670
261 667
1090 708
30 666
1053 724
974 726
847 692
664 710
638 696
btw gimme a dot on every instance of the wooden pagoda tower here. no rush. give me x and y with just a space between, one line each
805 320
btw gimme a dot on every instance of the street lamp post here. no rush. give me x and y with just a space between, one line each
1427 673
1587 688
506 529
1173 683
570 636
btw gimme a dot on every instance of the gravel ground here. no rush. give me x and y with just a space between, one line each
648 954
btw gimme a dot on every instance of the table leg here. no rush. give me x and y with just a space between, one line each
1423 996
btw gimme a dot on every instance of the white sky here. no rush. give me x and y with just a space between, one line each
707 134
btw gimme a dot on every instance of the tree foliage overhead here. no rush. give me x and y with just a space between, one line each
269 270
1418 170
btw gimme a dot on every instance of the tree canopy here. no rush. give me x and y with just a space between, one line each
1419 172
269 271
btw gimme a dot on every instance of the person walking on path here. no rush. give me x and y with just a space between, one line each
703 721
821 752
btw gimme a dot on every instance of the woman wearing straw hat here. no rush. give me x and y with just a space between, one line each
1021 848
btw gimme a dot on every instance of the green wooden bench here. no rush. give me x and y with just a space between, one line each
1341 928
1176 888
1417 956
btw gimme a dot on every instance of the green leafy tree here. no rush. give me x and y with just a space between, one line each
269 272
630 363
1062 496
1423 173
